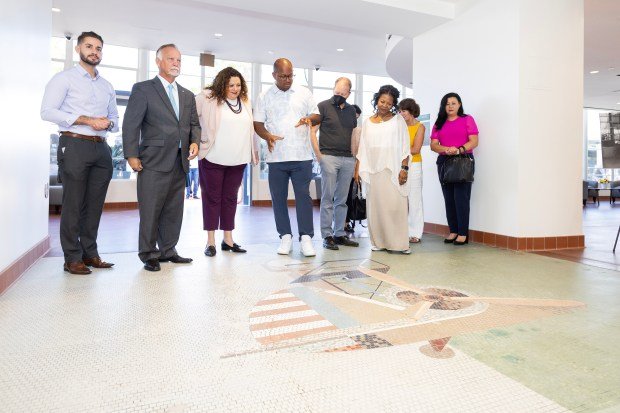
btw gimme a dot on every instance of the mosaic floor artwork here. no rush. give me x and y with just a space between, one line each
356 303
442 330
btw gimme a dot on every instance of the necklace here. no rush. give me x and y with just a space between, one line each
381 119
236 108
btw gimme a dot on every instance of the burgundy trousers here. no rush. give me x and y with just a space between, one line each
219 186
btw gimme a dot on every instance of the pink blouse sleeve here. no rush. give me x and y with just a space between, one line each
472 128
435 133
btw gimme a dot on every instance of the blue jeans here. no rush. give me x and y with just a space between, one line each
300 174
336 175
193 183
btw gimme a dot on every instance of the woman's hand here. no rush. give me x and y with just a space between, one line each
356 177
402 177
452 150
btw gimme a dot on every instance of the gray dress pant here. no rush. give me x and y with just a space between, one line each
160 200
85 169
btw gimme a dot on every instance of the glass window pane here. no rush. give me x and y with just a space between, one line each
190 82
120 56
324 78
323 94
57 48
301 75
56 67
373 83
121 79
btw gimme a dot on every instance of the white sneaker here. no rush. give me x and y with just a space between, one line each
306 246
286 243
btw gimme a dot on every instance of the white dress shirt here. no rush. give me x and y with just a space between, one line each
280 111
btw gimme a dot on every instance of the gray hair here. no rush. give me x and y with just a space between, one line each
164 46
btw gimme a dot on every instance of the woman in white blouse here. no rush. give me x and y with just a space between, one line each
383 166
226 147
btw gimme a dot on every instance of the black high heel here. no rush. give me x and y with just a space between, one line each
235 247
455 242
449 240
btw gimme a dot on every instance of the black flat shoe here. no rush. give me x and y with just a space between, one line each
449 240
234 248
210 251
455 242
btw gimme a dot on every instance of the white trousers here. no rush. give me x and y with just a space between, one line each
416 210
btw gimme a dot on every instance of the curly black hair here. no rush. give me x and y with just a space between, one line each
220 84
386 90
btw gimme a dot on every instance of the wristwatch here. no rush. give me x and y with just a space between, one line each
111 126
404 167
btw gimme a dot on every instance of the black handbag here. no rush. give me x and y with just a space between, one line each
457 169
356 203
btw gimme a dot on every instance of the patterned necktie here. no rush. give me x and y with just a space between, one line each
173 101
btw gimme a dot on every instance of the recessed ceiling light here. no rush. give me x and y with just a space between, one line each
218 35
55 9
270 51
610 68
339 50
593 72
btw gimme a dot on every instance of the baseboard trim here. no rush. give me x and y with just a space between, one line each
15 270
514 243
290 202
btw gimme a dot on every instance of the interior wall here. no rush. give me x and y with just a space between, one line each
518 65
25 30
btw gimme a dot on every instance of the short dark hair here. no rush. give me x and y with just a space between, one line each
358 110
386 90
84 35
410 106
164 46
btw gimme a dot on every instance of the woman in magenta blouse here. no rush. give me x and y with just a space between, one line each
455 133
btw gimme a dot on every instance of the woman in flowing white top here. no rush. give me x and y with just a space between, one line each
383 167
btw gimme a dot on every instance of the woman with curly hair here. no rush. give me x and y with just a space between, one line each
383 156
226 146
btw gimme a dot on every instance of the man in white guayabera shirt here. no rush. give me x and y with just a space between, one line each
283 115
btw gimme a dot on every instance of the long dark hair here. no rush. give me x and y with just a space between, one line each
442 116
220 83
386 90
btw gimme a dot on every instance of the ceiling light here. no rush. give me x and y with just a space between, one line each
55 9
270 51
593 72
218 35
339 50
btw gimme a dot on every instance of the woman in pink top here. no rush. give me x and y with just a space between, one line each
455 133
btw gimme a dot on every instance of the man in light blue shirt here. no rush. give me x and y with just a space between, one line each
83 105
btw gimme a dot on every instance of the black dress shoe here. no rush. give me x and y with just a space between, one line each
329 243
152 264
210 251
177 259
346 241
461 242
449 240
234 248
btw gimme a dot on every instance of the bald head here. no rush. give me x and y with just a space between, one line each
283 73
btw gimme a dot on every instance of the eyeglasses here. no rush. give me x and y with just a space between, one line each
286 77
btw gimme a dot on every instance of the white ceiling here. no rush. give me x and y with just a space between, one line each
308 33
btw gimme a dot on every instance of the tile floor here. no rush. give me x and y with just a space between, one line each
262 332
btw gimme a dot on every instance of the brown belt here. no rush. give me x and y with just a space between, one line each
85 137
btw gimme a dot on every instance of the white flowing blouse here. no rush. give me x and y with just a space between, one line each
383 146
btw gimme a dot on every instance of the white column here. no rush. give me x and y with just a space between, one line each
518 66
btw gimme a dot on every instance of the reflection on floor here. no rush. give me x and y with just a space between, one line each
472 329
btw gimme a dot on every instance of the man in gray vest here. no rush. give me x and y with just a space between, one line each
338 119
160 136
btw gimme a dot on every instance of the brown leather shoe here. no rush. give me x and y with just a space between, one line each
97 262
76 268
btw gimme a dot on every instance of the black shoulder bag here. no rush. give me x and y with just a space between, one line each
457 169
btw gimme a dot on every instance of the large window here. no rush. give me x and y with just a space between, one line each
594 153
